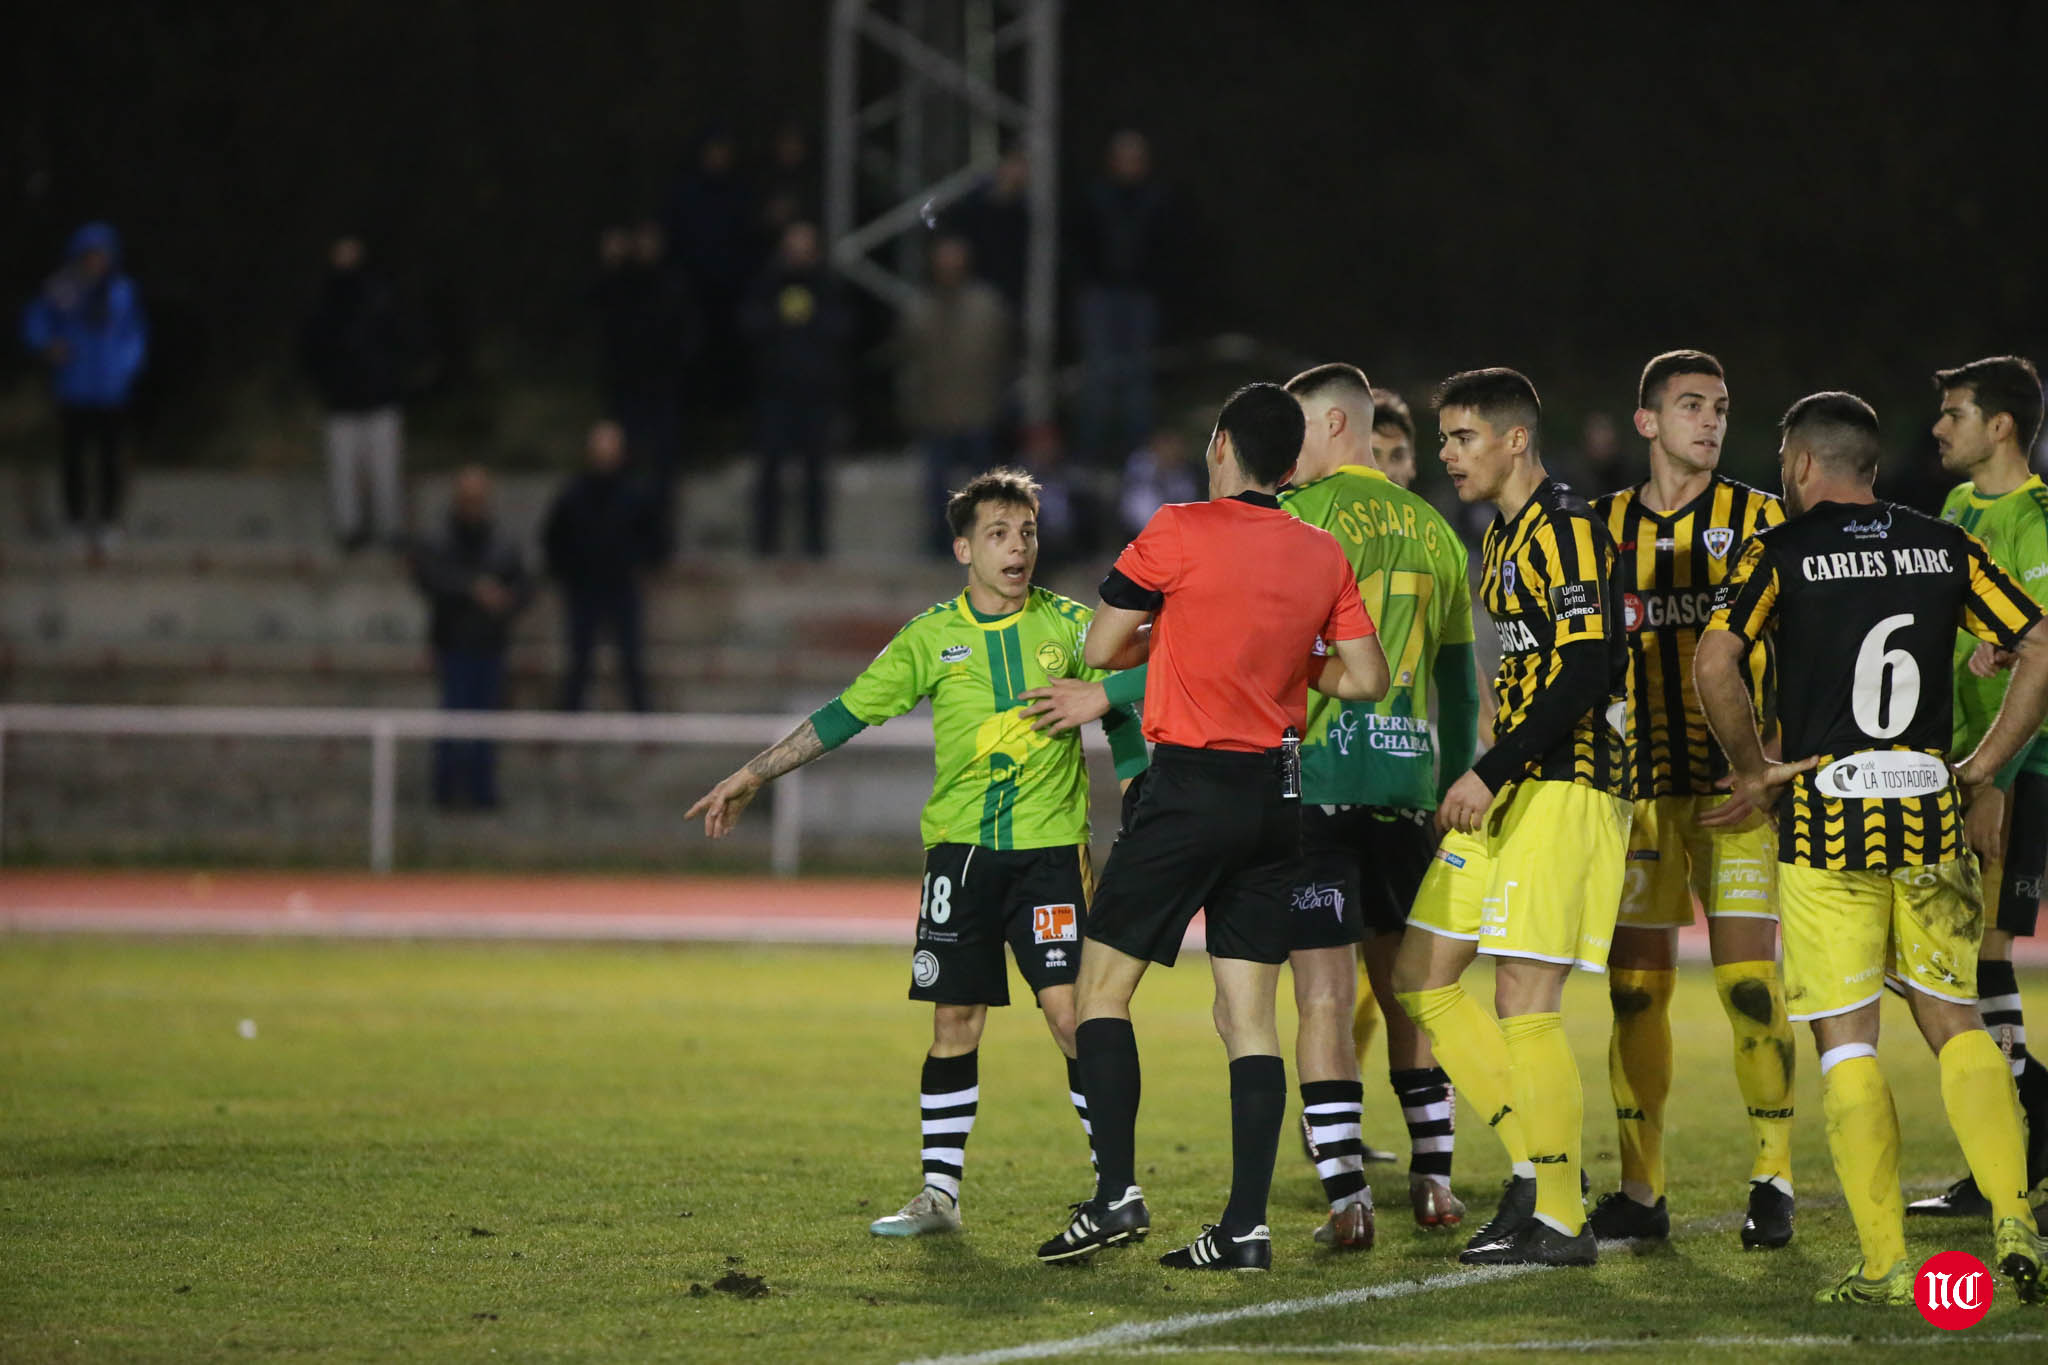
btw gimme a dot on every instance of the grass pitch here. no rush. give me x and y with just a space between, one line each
515 1152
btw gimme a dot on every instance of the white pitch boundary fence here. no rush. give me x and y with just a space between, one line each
383 729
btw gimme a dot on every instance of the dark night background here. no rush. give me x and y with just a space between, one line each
1826 196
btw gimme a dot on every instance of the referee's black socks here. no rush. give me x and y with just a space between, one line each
1108 1068
1258 1107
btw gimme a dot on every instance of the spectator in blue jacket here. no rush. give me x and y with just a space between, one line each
87 325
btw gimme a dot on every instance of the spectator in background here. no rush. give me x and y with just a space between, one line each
87 324
354 350
714 238
602 535
1600 465
651 329
797 326
1066 515
1157 473
476 583
792 190
1121 244
995 218
957 360
1393 437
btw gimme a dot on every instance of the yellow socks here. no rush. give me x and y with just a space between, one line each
1470 1048
1977 1091
1863 1135
1764 1052
1552 1103
1639 1071
1365 1021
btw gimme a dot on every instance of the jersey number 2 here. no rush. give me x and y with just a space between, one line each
1879 670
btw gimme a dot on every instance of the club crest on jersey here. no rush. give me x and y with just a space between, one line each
1718 539
1053 924
955 654
1507 577
924 968
1052 658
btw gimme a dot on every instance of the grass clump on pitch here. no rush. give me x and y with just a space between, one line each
435 1152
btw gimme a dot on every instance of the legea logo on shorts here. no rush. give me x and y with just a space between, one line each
924 968
1953 1290
1052 924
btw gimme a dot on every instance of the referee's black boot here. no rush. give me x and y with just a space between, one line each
1096 1225
1960 1200
1517 1208
1219 1249
1538 1243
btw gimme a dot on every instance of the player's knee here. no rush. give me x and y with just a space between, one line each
957 1028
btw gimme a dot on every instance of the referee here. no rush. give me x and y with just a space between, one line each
1239 593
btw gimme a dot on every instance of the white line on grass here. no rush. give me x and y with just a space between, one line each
1130 1334
1411 1348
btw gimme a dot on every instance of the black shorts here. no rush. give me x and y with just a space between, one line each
1210 831
1360 869
2026 857
975 899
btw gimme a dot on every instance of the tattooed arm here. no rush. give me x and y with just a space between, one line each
721 806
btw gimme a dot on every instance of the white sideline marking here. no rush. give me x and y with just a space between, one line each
1130 1334
1408 1348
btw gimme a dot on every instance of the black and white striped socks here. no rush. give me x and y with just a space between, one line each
1998 1000
1080 1103
1335 1110
950 1092
1429 1108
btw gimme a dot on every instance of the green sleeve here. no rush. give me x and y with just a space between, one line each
2003 781
2028 550
1457 700
1126 743
1127 688
890 685
835 724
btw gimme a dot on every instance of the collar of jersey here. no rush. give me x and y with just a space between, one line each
973 617
1979 500
1713 482
1361 471
1253 497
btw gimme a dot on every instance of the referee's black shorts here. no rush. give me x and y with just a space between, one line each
1210 831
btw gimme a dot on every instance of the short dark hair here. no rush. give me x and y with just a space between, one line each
2006 384
1504 397
1664 368
1336 376
1265 427
1011 487
1839 428
1390 409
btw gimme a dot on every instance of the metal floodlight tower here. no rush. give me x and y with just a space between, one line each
923 97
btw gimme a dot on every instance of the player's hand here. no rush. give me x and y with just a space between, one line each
1065 704
1736 810
721 806
1464 805
1984 822
1988 660
1760 788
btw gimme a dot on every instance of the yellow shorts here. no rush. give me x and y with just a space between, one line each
1541 879
1671 859
1844 930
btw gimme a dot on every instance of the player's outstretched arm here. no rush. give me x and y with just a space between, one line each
1118 638
2019 716
721 806
1356 670
1717 670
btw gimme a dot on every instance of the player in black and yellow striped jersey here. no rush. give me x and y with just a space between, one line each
1679 534
1872 867
1529 870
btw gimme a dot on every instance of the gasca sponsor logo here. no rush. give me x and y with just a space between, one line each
1654 611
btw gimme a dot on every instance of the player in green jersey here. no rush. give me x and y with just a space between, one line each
1006 828
1990 413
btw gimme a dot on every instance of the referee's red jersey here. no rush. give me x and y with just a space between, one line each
1242 590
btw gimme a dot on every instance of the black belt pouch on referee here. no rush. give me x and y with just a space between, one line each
1213 830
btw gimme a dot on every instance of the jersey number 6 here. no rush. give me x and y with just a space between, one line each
1879 669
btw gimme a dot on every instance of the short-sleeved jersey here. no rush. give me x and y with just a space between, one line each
1551 580
1865 600
1671 565
2014 528
1410 567
1243 591
996 781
